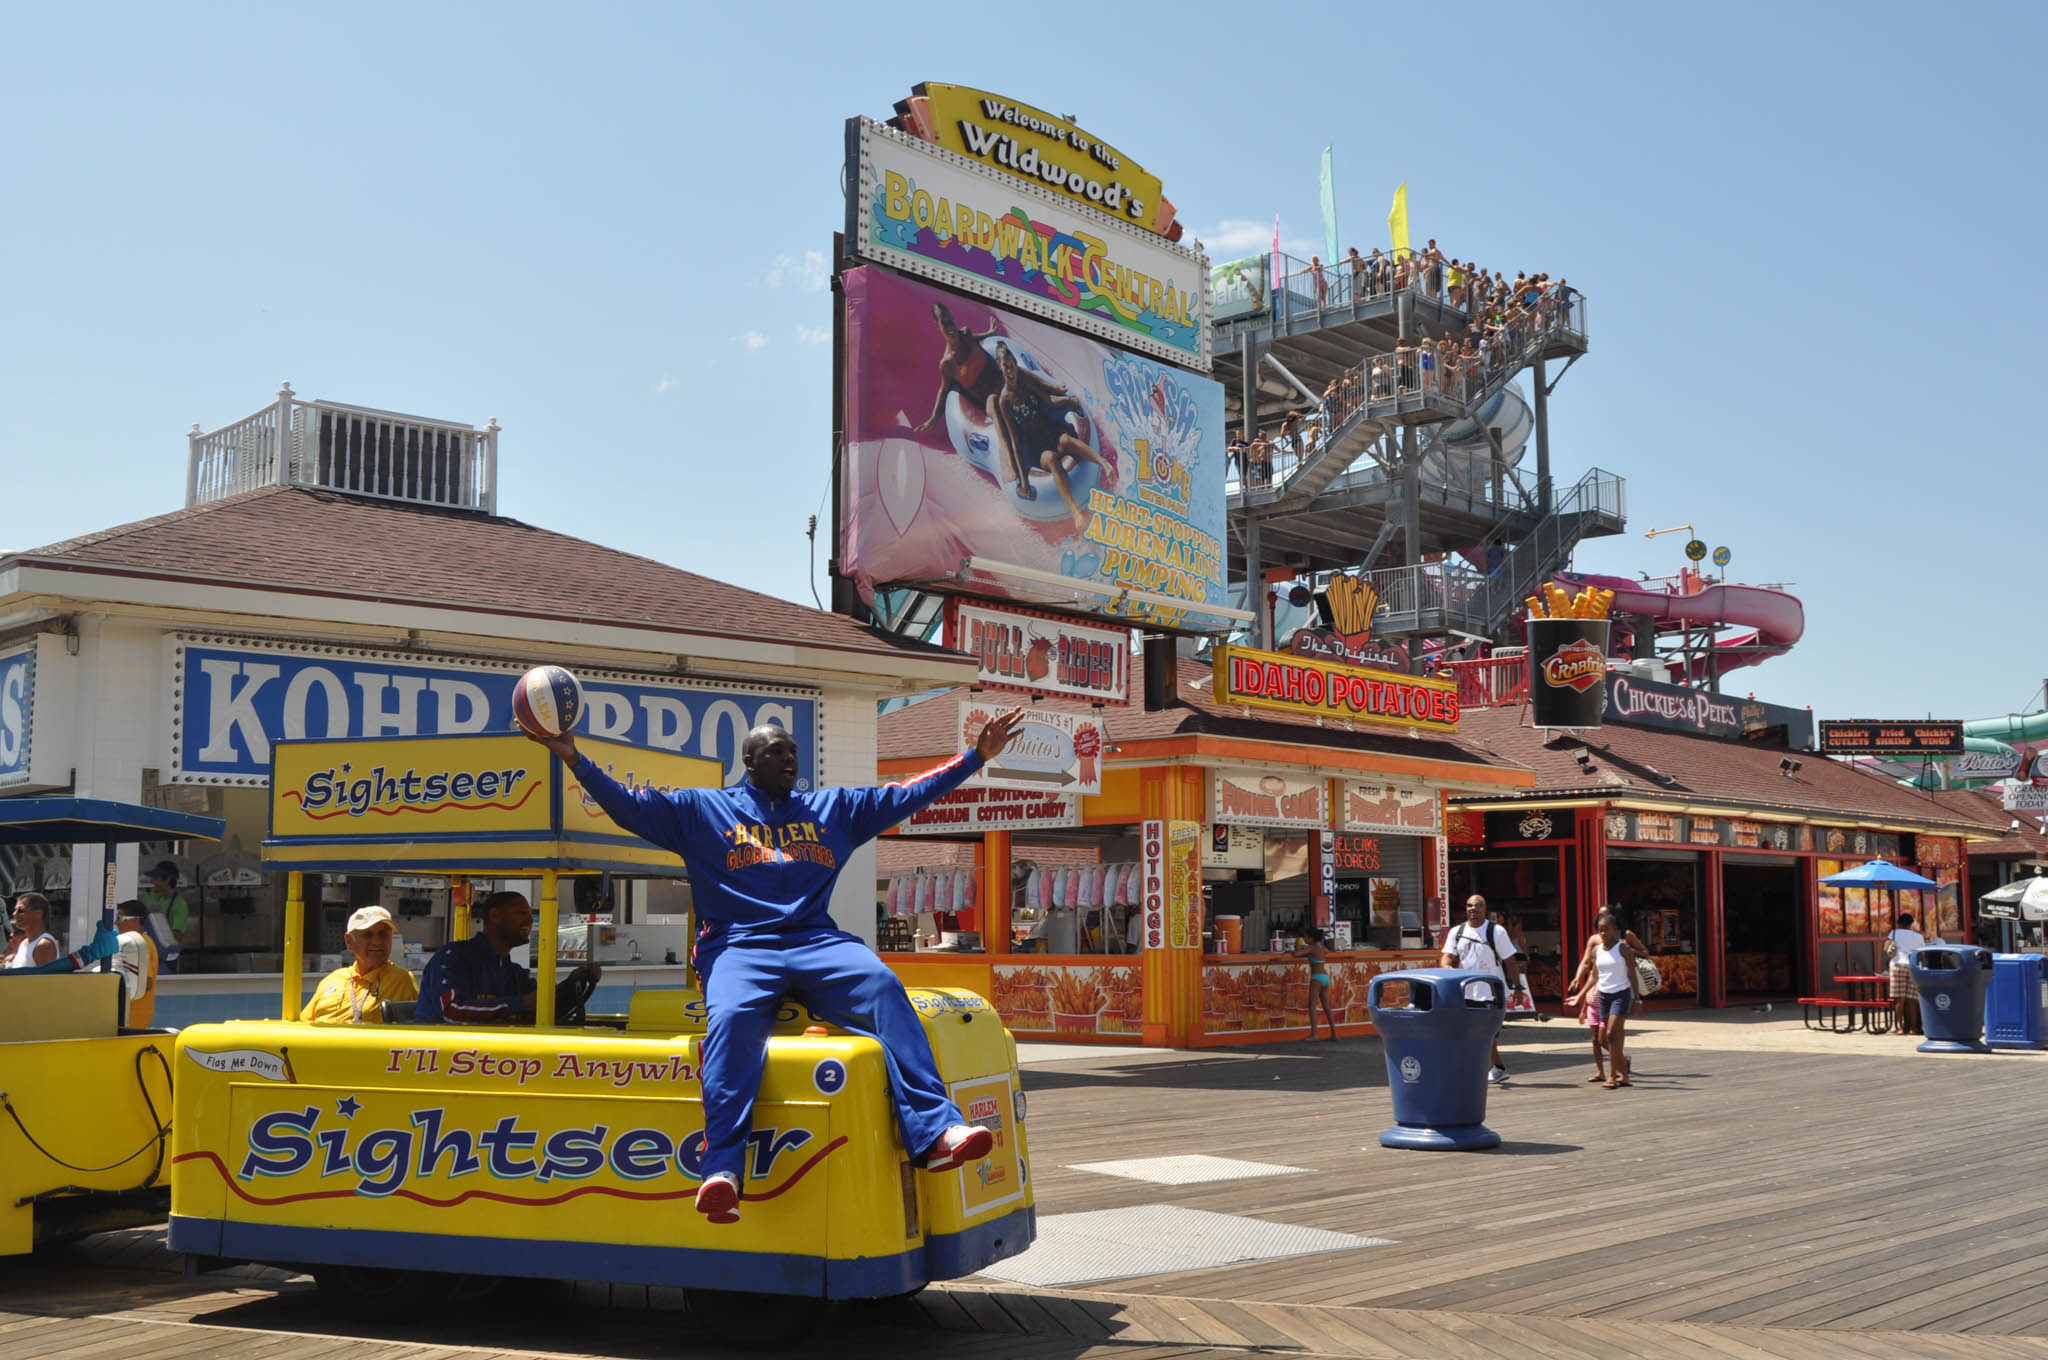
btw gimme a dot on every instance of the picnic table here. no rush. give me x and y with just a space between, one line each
1863 1005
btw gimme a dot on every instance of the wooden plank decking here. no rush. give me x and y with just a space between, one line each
1758 1192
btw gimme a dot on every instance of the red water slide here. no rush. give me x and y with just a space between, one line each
1775 620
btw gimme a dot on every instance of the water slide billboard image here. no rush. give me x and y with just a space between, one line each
989 454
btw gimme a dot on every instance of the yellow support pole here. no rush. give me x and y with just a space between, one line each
294 944
461 893
544 949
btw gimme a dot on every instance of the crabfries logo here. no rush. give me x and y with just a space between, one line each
341 792
1577 665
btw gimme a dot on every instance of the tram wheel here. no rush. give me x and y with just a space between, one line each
374 1294
758 1322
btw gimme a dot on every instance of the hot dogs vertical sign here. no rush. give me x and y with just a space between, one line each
1171 865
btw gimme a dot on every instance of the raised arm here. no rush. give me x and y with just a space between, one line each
663 819
875 810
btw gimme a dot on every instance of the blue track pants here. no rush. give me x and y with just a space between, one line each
844 983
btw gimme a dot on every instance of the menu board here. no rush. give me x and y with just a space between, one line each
1856 911
1830 897
1950 901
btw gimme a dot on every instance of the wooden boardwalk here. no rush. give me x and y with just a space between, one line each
1758 1192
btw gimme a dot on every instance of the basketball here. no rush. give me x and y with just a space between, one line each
547 701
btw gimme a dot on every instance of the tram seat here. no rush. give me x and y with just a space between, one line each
38 1006
400 1012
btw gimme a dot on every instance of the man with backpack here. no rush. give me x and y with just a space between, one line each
1479 945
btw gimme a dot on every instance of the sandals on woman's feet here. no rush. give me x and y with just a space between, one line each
1597 1076
1610 1085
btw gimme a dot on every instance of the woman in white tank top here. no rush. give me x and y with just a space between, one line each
1608 966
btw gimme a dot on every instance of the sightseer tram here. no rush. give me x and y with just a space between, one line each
571 1148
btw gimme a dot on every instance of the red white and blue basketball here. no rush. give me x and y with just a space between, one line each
547 701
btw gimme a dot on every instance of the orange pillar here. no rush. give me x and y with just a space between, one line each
995 892
1171 848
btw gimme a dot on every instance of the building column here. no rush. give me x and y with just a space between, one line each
1543 487
117 706
1713 934
995 892
1255 585
1170 801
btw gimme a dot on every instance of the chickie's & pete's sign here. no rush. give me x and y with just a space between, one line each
1330 689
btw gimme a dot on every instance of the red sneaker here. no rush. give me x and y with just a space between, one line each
718 1199
957 1146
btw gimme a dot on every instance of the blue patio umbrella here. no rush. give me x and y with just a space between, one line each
1879 873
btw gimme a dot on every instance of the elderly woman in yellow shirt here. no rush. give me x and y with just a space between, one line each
355 993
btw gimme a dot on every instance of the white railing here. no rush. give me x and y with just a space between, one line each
346 448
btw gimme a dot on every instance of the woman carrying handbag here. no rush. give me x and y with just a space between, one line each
1609 964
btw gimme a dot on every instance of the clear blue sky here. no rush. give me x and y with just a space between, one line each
1807 232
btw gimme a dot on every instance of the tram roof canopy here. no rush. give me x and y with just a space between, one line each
98 821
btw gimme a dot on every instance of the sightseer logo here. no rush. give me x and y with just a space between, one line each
340 792
378 1159
1696 709
1577 665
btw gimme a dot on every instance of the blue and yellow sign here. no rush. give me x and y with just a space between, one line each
460 805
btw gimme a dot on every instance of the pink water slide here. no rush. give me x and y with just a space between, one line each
1775 620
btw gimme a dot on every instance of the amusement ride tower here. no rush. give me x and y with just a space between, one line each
1399 467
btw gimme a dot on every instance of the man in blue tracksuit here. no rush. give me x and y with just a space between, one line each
762 861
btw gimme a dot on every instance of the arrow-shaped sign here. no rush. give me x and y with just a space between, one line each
1034 776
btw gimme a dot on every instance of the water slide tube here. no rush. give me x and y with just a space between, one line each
2007 730
1462 455
1777 620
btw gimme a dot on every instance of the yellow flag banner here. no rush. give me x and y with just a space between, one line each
1397 221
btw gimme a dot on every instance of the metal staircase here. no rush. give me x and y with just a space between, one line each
1451 595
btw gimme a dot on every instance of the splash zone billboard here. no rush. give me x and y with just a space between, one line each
989 454
1297 685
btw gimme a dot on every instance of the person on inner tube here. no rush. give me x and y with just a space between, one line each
763 857
1033 415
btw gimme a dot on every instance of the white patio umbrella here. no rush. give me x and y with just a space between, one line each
2024 899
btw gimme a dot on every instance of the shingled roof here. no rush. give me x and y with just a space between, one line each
1641 762
326 543
2025 841
930 728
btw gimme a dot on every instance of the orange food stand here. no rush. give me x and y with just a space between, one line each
1226 825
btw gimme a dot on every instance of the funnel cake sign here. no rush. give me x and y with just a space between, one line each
1255 798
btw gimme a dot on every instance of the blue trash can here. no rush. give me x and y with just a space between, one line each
2016 1006
1439 1047
1952 980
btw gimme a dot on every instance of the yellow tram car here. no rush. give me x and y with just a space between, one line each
568 1149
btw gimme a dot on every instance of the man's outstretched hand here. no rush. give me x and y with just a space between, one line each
998 733
563 746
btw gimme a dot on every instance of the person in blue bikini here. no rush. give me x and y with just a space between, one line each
1316 949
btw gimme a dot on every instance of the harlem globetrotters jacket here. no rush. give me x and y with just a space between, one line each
763 866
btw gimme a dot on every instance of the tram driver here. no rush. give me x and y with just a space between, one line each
475 982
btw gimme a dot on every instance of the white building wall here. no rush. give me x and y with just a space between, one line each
119 716
852 735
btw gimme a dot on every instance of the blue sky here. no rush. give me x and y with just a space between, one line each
1806 233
